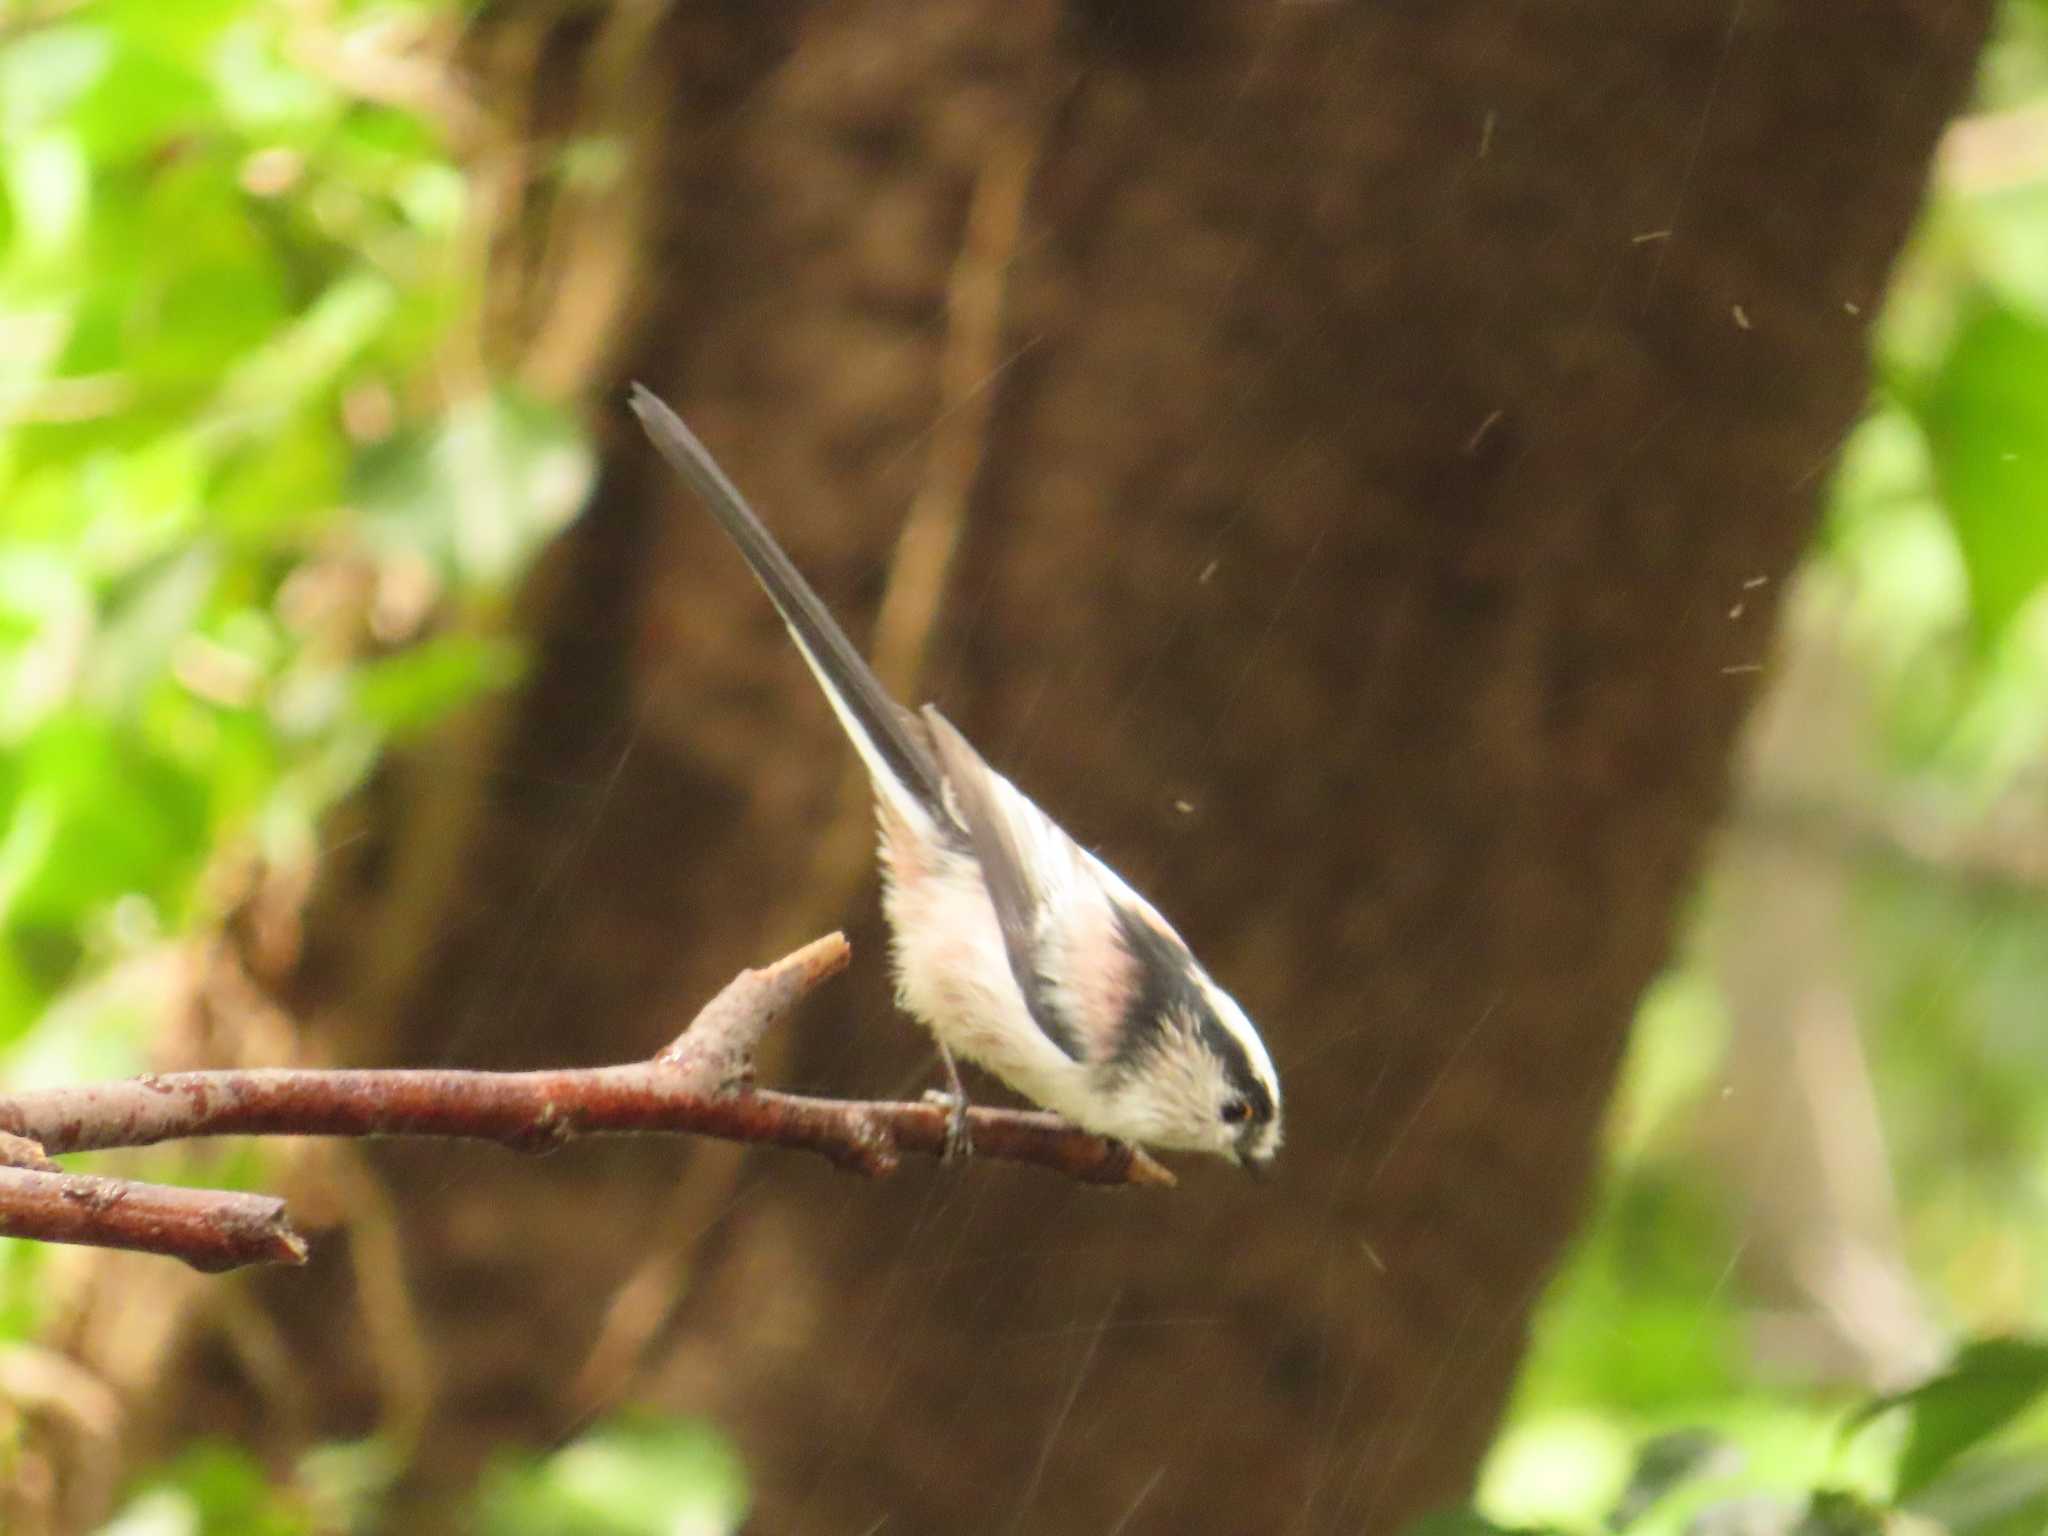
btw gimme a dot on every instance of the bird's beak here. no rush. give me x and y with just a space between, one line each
1259 1167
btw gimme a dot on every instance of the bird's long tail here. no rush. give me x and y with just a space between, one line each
882 731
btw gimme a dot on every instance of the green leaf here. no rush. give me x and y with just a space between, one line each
1666 1462
1990 1384
1986 418
21 1296
50 186
279 482
644 1477
346 1481
1831 1512
142 619
23 997
405 693
305 357
478 491
260 88
36 338
207 1490
46 614
96 818
157 1512
1750 1515
138 103
146 500
92 1031
1989 1496
43 71
433 197
2006 229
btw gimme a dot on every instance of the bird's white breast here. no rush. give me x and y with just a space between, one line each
953 973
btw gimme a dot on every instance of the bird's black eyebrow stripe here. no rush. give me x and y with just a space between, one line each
1164 985
1237 1065
1167 986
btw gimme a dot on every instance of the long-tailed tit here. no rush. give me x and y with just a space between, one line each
1016 947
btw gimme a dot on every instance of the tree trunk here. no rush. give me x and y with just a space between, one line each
1358 422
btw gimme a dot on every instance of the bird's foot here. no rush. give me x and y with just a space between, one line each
959 1142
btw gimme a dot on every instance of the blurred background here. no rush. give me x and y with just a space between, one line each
1528 530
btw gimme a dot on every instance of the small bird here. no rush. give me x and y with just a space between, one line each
1014 945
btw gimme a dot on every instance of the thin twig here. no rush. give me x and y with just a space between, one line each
699 1085
20 1152
539 1111
210 1229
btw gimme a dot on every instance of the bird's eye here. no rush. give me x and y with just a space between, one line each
1236 1111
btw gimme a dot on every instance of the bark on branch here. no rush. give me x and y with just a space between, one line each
211 1229
700 1084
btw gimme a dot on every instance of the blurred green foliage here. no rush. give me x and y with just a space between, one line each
1931 586
1942 1469
259 513
218 1490
230 495
224 281
634 1477
628 1477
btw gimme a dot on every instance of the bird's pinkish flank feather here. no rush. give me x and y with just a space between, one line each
1102 981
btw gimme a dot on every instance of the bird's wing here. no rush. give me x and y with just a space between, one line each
1019 850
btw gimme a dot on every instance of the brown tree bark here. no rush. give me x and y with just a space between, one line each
1371 414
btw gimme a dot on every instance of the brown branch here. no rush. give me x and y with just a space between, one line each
20 1152
209 1229
699 1085
538 1111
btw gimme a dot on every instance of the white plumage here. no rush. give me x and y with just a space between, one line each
1016 947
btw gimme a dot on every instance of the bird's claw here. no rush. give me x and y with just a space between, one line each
959 1142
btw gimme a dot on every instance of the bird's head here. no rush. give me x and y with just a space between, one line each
1189 1066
